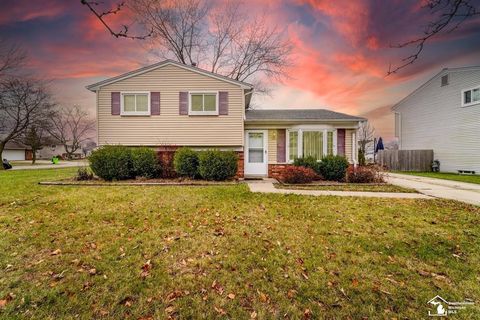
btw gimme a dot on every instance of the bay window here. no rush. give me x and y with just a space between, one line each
310 143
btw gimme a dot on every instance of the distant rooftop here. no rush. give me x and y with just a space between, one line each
298 114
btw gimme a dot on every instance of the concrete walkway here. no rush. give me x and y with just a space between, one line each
439 188
266 186
62 164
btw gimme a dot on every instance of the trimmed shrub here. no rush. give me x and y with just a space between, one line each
84 174
362 174
186 162
217 165
308 162
296 174
112 163
333 168
145 163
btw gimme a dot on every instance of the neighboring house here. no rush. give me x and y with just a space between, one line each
53 150
444 115
16 151
168 105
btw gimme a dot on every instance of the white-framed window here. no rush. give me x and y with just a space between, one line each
203 103
306 142
135 103
470 96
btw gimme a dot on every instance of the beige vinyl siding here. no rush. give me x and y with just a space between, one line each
272 146
348 144
170 128
434 118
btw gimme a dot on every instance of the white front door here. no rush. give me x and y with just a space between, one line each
256 157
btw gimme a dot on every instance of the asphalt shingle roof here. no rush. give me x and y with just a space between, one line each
297 114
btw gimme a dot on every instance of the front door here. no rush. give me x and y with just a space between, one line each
256 157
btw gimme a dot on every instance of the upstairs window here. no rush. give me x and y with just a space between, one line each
470 97
203 103
445 80
135 103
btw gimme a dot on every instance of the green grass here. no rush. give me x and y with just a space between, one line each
349 187
279 255
447 176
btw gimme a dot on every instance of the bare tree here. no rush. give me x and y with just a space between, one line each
12 57
102 15
71 128
366 134
450 15
23 102
224 39
36 137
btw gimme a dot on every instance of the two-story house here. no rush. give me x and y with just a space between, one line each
444 115
169 105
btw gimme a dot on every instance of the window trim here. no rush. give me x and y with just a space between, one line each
134 113
471 103
300 141
203 113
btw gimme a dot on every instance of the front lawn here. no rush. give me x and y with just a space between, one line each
471 178
81 252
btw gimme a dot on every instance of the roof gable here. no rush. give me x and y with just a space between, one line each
435 77
94 87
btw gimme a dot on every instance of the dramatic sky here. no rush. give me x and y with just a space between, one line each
342 51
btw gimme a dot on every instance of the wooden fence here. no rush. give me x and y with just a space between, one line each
406 160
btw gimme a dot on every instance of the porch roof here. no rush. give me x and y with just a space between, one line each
298 115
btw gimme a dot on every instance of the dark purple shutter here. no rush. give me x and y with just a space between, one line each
281 145
115 103
155 103
223 103
183 107
341 142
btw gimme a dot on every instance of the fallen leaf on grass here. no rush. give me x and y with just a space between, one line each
291 293
147 266
220 310
56 252
307 314
355 282
231 296
170 309
253 315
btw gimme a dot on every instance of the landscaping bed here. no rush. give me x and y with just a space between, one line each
339 186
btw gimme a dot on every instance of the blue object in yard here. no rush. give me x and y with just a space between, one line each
379 145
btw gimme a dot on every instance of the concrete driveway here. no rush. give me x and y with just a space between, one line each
439 188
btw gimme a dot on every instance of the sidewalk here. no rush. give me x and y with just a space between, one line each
266 186
439 188
62 164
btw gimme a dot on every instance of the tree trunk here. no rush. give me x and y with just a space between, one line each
2 146
34 156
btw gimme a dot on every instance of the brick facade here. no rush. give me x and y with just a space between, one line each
241 163
276 170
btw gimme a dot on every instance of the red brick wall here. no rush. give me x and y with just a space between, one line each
276 170
240 163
